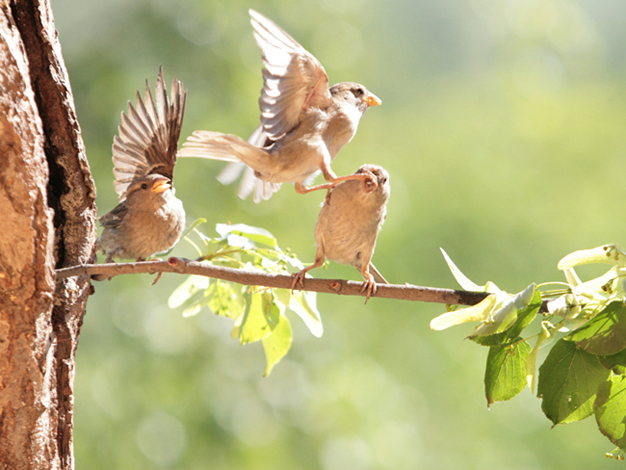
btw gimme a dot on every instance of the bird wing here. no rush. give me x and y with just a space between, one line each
293 79
114 218
148 135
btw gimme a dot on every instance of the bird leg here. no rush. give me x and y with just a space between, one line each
331 177
370 181
157 278
369 286
302 189
158 274
298 278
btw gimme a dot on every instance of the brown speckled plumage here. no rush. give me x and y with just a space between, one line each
348 226
149 218
304 122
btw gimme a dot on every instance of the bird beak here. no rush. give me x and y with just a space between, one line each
161 185
373 100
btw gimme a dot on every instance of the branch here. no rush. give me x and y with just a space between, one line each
254 278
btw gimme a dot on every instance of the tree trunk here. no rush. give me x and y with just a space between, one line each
47 221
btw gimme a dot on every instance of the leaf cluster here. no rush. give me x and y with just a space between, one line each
584 373
258 313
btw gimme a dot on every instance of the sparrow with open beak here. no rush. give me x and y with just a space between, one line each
348 226
149 218
304 122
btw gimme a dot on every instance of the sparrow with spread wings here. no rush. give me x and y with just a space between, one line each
149 218
304 122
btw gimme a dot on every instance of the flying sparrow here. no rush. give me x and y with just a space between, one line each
149 218
304 122
348 225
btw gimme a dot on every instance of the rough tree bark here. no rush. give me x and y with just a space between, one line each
47 220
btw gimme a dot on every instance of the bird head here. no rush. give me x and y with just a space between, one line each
355 94
382 178
147 190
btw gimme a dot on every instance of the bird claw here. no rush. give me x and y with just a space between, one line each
298 278
157 278
369 287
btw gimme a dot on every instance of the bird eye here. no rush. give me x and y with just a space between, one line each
144 186
383 180
359 92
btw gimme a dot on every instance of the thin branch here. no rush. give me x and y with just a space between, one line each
255 278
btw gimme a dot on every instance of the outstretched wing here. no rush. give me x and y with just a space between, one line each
293 79
148 135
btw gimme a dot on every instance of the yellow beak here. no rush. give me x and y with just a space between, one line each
161 185
373 100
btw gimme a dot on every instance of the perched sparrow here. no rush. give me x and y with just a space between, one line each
149 218
348 225
304 122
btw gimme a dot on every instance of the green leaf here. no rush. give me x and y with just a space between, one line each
303 304
193 309
277 344
281 259
193 225
525 316
224 300
615 362
187 289
568 382
254 323
255 234
605 334
611 410
505 374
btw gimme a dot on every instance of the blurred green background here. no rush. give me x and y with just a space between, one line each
503 127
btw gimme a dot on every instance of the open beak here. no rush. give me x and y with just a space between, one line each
373 100
161 185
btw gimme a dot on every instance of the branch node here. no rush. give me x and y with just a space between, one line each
336 286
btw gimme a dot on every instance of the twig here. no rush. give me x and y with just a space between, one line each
255 278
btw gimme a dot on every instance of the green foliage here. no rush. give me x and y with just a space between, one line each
258 313
568 382
521 309
585 371
610 405
615 362
505 374
605 334
503 130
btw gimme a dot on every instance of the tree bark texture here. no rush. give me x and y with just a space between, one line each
47 221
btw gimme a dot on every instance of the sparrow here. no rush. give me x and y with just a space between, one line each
304 121
348 226
149 218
